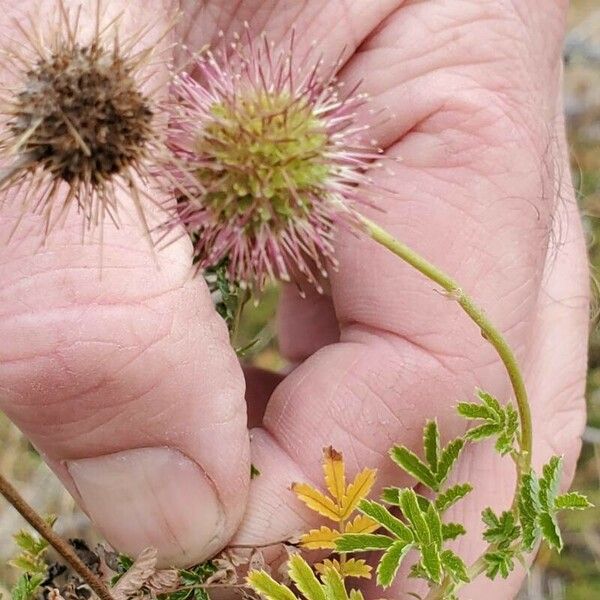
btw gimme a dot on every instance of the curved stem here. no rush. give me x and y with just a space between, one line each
492 335
64 549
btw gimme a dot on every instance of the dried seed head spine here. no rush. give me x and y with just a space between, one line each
79 126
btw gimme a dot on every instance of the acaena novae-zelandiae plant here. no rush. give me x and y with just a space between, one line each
266 160
276 163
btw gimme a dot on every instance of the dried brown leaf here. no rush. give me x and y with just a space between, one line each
163 581
257 561
225 574
137 576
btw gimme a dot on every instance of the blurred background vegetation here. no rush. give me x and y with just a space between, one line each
575 574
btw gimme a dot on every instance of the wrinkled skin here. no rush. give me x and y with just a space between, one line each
127 384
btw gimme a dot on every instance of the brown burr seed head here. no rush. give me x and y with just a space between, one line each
88 117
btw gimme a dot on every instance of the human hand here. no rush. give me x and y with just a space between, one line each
127 383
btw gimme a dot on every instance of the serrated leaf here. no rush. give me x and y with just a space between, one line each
334 471
304 578
448 457
317 501
356 567
361 524
572 501
320 539
29 564
414 515
483 431
413 465
358 542
265 585
473 411
505 442
454 566
26 587
356 595
384 517
430 559
452 495
431 444
491 402
391 495
501 531
352 567
549 482
450 531
499 562
32 544
333 585
529 510
550 530
434 523
488 516
390 563
356 491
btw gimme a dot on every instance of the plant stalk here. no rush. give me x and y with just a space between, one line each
63 548
494 337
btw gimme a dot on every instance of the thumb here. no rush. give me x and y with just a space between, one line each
121 374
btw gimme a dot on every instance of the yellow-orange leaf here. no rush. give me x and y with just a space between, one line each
335 477
320 539
353 567
362 524
357 490
317 501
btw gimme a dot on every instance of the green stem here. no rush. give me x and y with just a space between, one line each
492 335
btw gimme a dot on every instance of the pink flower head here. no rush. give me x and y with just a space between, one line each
268 162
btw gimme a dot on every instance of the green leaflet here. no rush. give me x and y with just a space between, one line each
431 444
265 585
359 542
452 495
501 531
454 566
384 517
26 587
390 562
498 420
414 466
450 531
500 562
333 585
304 578
431 562
448 458
414 515
572 501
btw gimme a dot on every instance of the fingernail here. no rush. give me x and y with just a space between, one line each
151 497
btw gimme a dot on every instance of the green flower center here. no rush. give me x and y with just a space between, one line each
264 158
